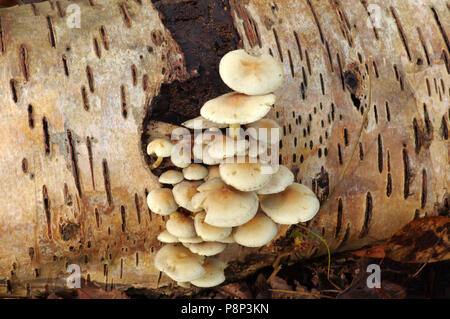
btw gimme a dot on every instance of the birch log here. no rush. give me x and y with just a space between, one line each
73 102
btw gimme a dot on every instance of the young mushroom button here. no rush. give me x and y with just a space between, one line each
161 147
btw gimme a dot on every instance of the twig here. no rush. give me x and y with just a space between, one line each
420 269
328 252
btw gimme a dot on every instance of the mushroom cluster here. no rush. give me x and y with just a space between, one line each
227 195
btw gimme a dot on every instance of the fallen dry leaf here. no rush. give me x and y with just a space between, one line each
238 290
424 240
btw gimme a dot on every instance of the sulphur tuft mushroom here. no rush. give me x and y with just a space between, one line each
166 237
278 182
225 147
180 225
190 240
244 174
207 248
211 184
161 201
195 172
180 155
208 232
226 206
214 275
236 109
257 232
252 75
213 172
179 263
200 123
161 147
171 177
265 130
297 203
183 193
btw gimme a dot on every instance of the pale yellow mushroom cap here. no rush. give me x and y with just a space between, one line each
161 201
228 207
201 141
245 174
257 232
252 75
262 131
214 276
171 177
181 154
167 237
208 232
190 240
180 225
213 172
161 147
237 108
183 193
279 181
297 203
179 263
211 184
200 123
207 248
226 146
195 172
227 240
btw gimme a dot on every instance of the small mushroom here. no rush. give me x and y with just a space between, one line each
252 75
262 131
226 206
190 240
297 203
168 238
213 172
236 109
257 232
183 193
179 263
226 147
211 184
244 174
208 232
171 177
207 248
278 182
195 172
161 147
200 123
214 274
161 201
201 141
180 225
227 240
180 155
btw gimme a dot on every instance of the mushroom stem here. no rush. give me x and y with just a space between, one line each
234 130
157 162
